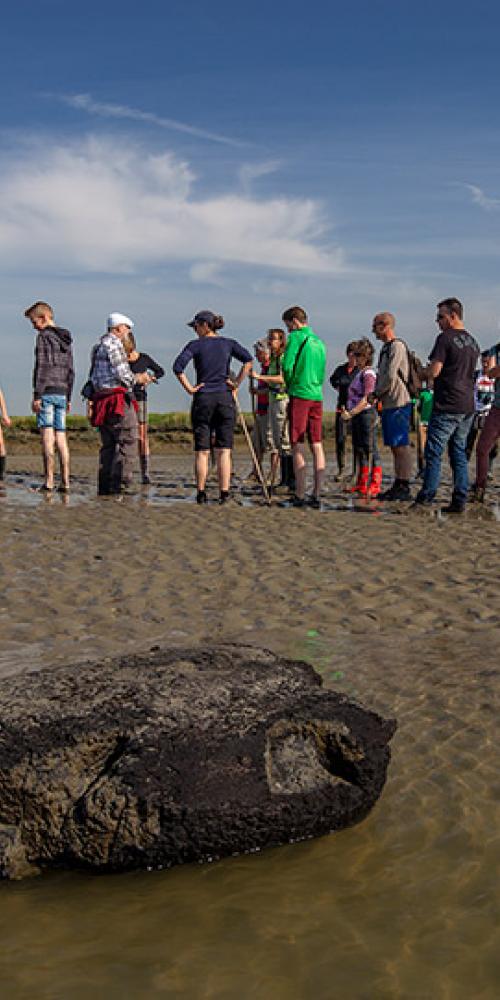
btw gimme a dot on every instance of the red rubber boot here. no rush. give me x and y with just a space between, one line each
361 486
375 481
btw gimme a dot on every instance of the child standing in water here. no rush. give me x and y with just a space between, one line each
140 362
4 419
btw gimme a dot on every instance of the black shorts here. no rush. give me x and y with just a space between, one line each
213 412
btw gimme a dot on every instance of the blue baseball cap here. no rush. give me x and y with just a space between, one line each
203 317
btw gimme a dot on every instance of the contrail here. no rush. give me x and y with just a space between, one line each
85 102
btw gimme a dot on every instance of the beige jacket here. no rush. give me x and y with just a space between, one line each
392 375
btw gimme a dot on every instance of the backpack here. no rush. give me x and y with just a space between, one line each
87 390
415 372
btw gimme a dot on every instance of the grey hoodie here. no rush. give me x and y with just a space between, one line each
53 371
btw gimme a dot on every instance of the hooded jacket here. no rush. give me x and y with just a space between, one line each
53 371
304 364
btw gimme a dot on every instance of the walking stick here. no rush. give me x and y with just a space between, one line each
251 448
418 431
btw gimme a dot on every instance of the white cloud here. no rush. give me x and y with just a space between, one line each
104 109
108 205
481 199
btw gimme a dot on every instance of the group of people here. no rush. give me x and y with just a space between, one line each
456 404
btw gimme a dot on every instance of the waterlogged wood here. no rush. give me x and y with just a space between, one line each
178 756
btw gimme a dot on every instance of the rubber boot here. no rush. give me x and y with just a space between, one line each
375 481
361 486
284 470
290 473
145 469
2 466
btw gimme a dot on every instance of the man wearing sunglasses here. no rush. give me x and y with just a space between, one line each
452 365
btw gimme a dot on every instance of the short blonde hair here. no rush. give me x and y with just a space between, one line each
39 309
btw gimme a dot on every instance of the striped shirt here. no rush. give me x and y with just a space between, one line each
110 367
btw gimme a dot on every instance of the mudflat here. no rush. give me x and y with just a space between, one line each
400 610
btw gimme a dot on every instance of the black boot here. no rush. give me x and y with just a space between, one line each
145 469
2 466
287 483
290 475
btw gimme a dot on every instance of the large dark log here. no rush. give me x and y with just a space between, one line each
176 756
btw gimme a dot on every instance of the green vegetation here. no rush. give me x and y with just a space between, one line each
159 423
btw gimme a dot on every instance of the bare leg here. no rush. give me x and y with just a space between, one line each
318 454
275 461
201 468
63 452
402 462
47 435
299 467
2 455
224 468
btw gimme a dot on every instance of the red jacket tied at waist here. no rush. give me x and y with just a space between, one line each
110 403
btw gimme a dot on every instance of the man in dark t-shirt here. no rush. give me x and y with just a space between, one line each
452 365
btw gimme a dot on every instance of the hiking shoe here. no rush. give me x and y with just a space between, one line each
314 502
201 497
423 504
477 494
396 492
454 507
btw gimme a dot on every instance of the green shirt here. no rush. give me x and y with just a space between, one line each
304 372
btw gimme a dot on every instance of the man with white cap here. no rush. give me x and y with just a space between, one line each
113 405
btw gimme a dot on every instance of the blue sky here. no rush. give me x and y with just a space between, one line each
165 157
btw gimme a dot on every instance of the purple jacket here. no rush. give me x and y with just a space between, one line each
53 371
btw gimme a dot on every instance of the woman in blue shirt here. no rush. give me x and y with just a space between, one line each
212 410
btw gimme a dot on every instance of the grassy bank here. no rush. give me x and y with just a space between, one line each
166 431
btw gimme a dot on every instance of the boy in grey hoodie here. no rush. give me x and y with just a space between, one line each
53 377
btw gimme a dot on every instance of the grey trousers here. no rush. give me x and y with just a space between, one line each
118 451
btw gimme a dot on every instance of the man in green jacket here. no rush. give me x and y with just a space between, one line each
304 365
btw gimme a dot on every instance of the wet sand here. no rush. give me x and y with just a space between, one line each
398 609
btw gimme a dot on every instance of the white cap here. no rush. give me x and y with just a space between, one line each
116 319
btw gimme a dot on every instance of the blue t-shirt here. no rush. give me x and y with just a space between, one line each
212 359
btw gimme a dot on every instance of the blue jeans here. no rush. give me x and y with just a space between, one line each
52 412
446 429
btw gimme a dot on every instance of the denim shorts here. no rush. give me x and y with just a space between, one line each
396 426
52 412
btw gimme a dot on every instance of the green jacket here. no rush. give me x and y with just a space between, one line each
304 378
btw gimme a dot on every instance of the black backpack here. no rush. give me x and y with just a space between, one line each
87 390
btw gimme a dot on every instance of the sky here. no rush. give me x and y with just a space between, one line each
161 158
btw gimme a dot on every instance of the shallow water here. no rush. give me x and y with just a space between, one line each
400 612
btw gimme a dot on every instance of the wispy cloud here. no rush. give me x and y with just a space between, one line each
481 199
104 109
250 172
78 208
